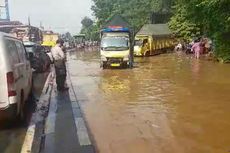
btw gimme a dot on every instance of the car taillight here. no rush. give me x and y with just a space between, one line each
11 84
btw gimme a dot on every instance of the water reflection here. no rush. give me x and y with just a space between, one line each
195 69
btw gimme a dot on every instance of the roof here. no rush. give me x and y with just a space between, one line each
9 28
117 20
155 30
10 23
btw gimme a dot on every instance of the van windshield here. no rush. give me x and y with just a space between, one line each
115 43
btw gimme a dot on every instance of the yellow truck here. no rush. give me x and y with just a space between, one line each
49 39
153 39
116 44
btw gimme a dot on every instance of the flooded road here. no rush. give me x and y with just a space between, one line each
12 134
166 104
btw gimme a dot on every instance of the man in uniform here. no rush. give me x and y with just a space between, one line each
59 63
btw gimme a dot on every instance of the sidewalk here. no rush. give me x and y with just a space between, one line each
65 130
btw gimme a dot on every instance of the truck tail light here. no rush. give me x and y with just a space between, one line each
11 84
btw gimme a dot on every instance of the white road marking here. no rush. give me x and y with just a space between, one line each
75 104
27 145
82 132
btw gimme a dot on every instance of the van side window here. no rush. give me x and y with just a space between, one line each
12 49
21 51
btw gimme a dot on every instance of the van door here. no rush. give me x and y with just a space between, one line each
4 103
15 66
26 69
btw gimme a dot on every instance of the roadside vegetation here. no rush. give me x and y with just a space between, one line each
209 18
189 19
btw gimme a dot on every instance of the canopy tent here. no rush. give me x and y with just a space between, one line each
156 30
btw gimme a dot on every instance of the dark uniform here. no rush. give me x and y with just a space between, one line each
60 69
59 63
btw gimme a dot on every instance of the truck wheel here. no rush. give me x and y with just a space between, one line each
125 65
147 54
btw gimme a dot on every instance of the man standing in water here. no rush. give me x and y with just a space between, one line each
196 48
59 63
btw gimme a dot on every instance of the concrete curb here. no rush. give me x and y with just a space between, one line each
35 131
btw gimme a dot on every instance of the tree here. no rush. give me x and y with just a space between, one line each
181 25
90 29
204 17
87 22
136 12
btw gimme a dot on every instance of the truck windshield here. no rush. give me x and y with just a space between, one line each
138 42
115 43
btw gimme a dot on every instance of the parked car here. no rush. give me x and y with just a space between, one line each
40 61
15 76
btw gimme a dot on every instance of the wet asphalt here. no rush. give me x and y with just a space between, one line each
64 137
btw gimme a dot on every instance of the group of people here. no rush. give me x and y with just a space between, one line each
198 47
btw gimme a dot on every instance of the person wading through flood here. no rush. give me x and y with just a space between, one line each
59 63
196 48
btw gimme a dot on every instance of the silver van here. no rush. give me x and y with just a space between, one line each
15 76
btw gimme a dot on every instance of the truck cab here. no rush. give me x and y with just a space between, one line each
115 48
142 45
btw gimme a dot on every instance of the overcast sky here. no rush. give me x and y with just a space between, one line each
59 15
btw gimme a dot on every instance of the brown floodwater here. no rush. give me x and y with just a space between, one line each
169 103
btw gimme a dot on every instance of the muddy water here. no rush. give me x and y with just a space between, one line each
166 104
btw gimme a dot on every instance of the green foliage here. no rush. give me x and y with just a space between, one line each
204 17
90 29
87 22
136 12
191 18
182 26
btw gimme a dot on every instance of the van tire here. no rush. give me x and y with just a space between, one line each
13 113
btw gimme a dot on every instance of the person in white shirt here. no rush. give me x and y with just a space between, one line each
179 47
59 63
